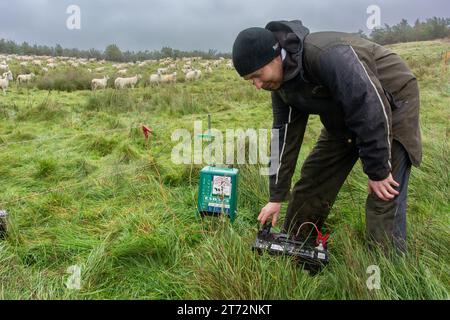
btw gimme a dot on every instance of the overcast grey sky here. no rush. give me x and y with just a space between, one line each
190 24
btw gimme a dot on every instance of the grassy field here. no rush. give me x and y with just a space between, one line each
83 188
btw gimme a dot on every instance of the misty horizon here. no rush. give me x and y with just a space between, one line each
188 26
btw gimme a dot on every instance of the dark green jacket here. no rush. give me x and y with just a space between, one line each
357 87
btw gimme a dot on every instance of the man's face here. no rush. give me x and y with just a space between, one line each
269 77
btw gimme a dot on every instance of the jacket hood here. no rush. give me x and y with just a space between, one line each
290 35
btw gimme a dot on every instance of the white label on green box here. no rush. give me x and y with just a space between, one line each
222 185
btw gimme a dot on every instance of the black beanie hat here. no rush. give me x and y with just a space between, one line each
253 49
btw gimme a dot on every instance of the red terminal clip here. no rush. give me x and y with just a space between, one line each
322 238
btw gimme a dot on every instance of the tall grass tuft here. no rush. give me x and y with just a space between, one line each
47 110
70 80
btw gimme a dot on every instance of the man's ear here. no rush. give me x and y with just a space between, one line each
279 62
279 59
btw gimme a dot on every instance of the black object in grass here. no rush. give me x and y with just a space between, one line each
307 253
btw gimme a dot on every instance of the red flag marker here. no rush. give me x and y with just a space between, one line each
146 130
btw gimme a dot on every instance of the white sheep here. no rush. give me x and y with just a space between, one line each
25 77
155 78
186 70
7 76
163 78
169 78
163 70
122 72
193 75
99 83
121 83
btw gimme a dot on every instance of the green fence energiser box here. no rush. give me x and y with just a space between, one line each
218 191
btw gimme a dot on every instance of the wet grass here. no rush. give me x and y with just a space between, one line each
83 187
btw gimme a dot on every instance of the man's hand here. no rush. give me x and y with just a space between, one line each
272 208
383 188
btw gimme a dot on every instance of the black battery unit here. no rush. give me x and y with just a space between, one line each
311 254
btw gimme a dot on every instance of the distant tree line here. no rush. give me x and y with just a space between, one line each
432 28
111 53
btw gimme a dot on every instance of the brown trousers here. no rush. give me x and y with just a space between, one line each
323 174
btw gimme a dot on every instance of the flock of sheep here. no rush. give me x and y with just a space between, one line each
166 69
8 76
